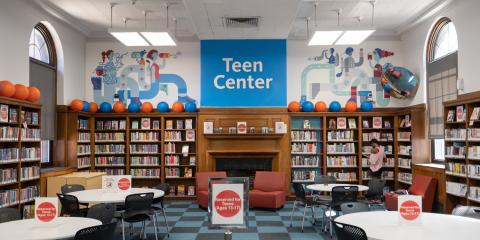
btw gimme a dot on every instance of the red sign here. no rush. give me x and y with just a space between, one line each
46 212
124 184
228 203
409 210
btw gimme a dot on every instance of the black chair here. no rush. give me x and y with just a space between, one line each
354 207
70 206
341 194
467 211
323 179
103 232
138 208
9 214
104 212
302 200
68 188
165 187
349 232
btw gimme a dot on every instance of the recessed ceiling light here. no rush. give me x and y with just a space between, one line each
324 37
130 39
159 38
353 37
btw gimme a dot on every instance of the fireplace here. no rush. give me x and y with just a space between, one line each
243 167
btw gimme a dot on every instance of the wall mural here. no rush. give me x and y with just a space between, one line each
346 77
113 80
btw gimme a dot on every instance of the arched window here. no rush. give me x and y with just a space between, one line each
442 63
41 46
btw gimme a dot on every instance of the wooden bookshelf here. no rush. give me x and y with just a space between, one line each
404 150
20 139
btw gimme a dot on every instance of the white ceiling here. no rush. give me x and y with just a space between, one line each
203 19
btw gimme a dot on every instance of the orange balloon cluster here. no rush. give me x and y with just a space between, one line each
320 106
19 91
76 105
351 106
294 106
177 107
146 107
119 107
93 107
7 89
33 94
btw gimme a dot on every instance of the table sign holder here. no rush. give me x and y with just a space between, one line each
409 209
228 204
46 209
117 182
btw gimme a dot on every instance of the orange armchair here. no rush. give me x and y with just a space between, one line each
201 184
268 190
422 185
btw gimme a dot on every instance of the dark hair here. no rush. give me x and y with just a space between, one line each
374 140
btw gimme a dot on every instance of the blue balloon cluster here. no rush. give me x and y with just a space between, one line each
105 107
163 107
190 107
133 107
335 106
307 106
366 106
86 106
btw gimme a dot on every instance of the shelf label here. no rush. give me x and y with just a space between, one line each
46 209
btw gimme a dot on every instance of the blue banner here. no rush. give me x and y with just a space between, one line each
243 73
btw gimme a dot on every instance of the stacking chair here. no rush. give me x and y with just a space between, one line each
138 208
70 206
103 232
165 187
341 194
374 194
68 188
349 232
467 211
103 212
323 179
302 200
9 214
354 207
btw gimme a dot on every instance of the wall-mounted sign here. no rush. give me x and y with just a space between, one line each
409 208
118 182
228 202
46 209
243 73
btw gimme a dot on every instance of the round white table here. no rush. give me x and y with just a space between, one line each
109 196
386 225
328 187
32 229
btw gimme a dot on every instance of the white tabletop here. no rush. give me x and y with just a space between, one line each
109 196
386 225
328 187
32 229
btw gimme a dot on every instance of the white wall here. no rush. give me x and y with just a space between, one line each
17 19
464 14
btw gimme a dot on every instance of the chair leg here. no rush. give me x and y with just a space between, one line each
166 222
293 210
313 215
304 213
155 225
142 231
123 229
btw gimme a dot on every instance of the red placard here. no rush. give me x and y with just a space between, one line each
124 184
228 203
409 210
46 212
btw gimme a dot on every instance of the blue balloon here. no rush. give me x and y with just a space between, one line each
86 106
163 107
133 107
387 87
105 107
366 106
190 107
335 107
307 106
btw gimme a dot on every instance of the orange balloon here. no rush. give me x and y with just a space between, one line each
177 107
21 92
320 106
33 94
351 106
294 106
146 107
93 107
119 107
7 89
76 105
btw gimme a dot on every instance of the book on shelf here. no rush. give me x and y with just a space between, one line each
341 122
241 127
145 123
460 113
3 113
192 161
451 116
172 191
185 149
134 124
190 136
332 123
306 124
280 127
181 189
13 115
191 191
387 124
180 124
208 127
365 124
408 121
114 124
188 123
169 124
122 125
352 123
34 118
474 116
188 172
377 122
156 124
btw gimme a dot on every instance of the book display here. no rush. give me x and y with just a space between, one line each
404 151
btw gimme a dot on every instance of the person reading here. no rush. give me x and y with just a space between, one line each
376 158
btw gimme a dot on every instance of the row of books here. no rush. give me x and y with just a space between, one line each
457 150
389 162
110 148
173 135
304 175
31 134
305 160
458 189
144 148
181 190
144 160
457 115
405 177
378 136
474 152
456 168
111 125
341 148
474 133
405 150
377 123
388 149
474 171
474 193
9 114
8 197
144 136
82 124
340 135
179 124
30 153
177 172
83 137
117 136
83 162
170 148
455 133
405 162
343 176
9 133
8 175
112 171
30 172
304 135
145 172
404 135
304 147
29 193
388 175
336 161
83 149
8 155
146 124
366 174
30 118
341 123
109 161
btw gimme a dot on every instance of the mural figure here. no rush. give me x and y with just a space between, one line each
139 56
332 59
349 62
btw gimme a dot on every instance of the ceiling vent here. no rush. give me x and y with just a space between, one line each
241 22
